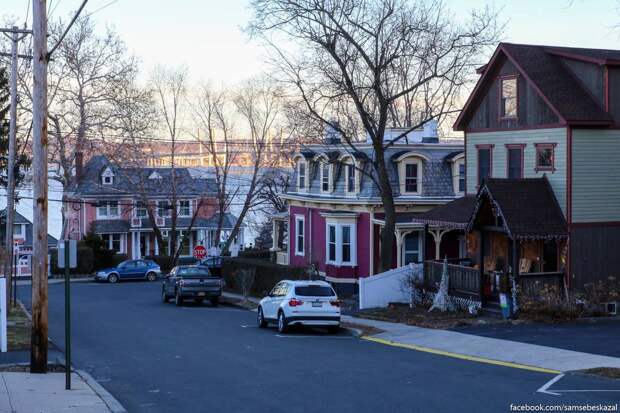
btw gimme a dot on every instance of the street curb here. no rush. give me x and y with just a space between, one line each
460 356
114 405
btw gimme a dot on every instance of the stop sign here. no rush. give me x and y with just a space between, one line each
199 252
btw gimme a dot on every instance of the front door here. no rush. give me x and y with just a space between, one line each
144 244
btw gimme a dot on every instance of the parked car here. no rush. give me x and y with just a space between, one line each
214 263
192 281
309 303
130 269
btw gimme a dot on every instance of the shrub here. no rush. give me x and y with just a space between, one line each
266 276
548 303
85 261
257 254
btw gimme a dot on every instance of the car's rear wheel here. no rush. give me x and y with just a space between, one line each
178 300
260 318
164 296
282 324
113 278
215 302
151 276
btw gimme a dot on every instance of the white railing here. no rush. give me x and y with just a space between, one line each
282 257
392 286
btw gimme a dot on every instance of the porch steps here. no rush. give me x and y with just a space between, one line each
491 309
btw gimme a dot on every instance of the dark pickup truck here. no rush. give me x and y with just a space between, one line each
191 282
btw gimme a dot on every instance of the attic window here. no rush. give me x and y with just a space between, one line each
107 177
508 100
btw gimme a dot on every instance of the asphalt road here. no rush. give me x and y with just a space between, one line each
155 357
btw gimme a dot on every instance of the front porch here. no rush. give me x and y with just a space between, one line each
516 236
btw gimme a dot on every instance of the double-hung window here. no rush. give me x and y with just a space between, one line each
300 232
410 174
326 177
458 175
113 242
508 99
107 209
411 248
141 209
341 244
411 177
301 176
515 161
185 209
163 208
350 175
485 158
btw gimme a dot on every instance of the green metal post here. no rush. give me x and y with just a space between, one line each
67 319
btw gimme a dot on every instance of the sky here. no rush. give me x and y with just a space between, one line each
206 35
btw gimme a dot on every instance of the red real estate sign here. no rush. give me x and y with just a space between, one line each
199 252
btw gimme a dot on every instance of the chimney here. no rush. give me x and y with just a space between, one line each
79 165
430 132
332 135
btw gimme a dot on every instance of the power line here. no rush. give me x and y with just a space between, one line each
62 37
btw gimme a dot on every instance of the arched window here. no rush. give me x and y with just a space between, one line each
351 175
410 173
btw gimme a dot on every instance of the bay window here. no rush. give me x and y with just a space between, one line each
341 244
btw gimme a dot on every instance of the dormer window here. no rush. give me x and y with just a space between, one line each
154 175
458 174
410 172
326 177
351 176
107 177
302 175
508 97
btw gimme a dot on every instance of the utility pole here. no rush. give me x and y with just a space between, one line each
10 199
38 348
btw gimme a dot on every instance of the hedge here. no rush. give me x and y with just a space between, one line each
164 262
257 254
267 274
85 261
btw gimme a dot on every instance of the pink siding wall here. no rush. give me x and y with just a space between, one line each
315 243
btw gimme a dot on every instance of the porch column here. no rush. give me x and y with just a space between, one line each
156 246
399 247
437 236
424 234
274 235
138 253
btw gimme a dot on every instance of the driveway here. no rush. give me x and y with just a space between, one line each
156 357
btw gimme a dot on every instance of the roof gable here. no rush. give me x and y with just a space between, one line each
544 72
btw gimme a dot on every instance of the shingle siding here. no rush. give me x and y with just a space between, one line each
596 175
557 179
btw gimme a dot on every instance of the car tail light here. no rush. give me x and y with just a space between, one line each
335 303
294 302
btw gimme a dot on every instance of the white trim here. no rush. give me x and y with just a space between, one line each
412 154
302 219
330 177
107 174
339 280
356 176
179 208
399 200
338 226
404 250
456 175
306 184
402 171
108 215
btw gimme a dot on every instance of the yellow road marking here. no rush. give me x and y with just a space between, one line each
461 356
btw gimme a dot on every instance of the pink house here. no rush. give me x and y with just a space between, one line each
109 200
335 213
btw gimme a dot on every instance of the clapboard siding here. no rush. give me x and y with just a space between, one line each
529 138
596 175
594 254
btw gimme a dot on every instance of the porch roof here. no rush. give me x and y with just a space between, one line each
453 215
401 217
527 206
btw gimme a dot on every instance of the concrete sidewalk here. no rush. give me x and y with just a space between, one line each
484 349
45 393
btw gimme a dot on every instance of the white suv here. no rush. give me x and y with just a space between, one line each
313 303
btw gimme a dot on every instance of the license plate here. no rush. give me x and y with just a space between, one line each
317 304
201 294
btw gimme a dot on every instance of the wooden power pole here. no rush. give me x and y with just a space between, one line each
38 349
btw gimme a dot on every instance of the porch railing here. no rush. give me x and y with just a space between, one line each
464 281
533 282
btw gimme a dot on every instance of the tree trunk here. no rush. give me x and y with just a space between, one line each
387 198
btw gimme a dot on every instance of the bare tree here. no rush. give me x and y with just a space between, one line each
372 64
213 115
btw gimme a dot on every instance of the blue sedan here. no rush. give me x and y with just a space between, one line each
130 270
